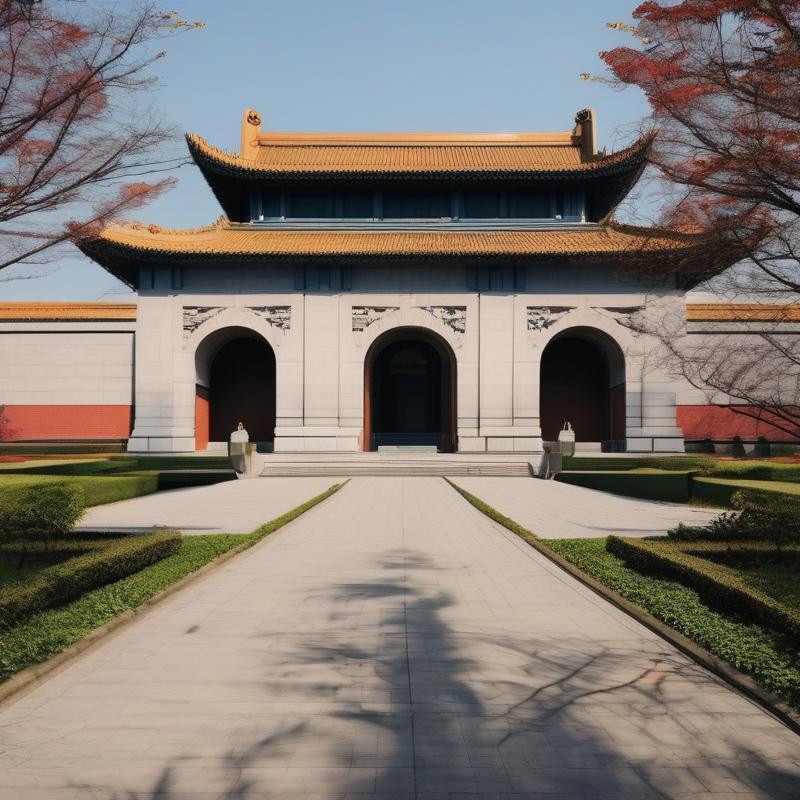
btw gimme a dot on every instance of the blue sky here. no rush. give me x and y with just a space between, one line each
504 65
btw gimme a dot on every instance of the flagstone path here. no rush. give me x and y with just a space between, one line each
556 510
231 507
392 643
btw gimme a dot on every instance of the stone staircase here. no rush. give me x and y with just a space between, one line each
398 464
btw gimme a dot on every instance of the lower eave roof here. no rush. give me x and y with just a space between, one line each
60 312
742 312
120 249
233 240
90 312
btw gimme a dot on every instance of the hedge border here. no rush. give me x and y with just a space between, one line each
722 669
718 490
62 583
28 679
714 582
668 486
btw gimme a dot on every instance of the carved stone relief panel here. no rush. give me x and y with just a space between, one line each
278 316
623 315
364 316
455 317
542 317
195 316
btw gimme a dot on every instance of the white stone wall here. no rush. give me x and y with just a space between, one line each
66 363
320 343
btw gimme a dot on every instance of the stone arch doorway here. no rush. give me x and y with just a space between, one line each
410 391
582 381
235 382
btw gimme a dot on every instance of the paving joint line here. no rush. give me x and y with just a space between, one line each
719 669
408 657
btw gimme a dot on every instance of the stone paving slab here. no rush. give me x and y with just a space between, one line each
390 644
231 507
554 510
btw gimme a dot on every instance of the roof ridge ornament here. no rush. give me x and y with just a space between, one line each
251 127
586 133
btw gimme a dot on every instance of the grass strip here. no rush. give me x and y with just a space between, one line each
494 514
51 632
766 660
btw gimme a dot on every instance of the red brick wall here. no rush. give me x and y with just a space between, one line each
67 422
201 418
713 422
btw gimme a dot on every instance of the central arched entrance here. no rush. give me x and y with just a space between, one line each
409 391
235 383
582 381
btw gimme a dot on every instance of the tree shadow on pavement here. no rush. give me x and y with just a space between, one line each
404 695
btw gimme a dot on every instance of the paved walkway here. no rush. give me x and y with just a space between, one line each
556 510
231 507
392 643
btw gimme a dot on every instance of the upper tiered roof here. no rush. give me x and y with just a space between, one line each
374 155
283 158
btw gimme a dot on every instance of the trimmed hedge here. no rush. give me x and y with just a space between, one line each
669 486
183 479
97 489
719 491
108 486
65 582
742 469
715 583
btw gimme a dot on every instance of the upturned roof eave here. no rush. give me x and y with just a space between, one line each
230 166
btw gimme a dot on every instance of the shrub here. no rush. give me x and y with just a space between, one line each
716 584
759 516
737 447
47 510
706 446
65 582
762 448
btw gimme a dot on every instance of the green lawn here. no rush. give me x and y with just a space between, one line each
108 479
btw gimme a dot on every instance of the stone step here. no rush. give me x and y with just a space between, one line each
406 467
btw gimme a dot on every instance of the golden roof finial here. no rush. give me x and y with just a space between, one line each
251 125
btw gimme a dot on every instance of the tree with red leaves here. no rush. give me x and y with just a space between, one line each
723 81
74 146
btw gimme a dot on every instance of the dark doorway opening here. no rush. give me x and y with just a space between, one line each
582 381
242 389
409 387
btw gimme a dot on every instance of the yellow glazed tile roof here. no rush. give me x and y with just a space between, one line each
413 154
226 239
54 312
741 312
